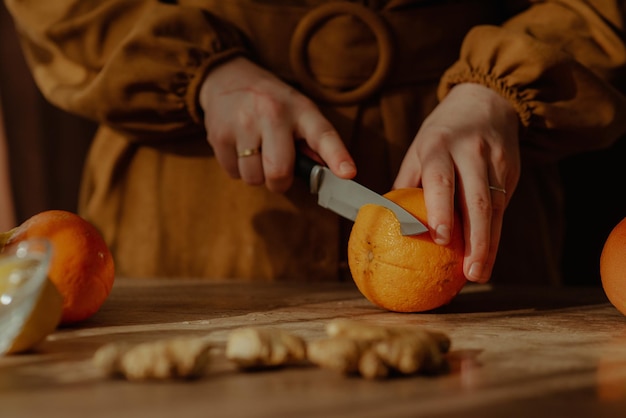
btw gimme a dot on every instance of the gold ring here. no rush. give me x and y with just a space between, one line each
498 189
248 152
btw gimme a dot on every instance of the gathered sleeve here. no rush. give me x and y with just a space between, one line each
134 65
558 63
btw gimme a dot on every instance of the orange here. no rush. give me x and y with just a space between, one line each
82 266
404 273
613 266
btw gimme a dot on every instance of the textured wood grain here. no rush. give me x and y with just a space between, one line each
515 353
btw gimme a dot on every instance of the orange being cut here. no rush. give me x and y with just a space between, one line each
404 273
613 266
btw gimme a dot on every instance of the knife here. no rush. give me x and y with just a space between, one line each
345 197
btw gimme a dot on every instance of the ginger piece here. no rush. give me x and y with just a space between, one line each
373 332
410 353
376 351
337 353
252 348
159 360
347 356
371 366
357 330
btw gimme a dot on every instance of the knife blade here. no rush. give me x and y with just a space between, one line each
345 197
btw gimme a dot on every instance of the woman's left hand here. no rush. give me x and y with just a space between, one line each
467 147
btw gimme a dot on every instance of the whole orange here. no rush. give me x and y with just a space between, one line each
404 273
613 266
82 266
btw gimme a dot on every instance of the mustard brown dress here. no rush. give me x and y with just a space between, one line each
376 69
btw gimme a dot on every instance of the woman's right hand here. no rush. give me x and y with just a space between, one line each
248 108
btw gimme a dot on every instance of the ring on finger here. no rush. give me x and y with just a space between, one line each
497 189
248 152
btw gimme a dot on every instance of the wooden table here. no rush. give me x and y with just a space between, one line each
515 353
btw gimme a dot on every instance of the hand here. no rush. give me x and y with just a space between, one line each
468 143
247 108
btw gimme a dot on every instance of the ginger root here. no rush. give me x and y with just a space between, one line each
352 347
159 360
376 351
252 348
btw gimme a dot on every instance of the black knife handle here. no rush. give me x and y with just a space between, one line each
308 169
304 166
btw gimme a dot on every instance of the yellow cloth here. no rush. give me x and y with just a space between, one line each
167 209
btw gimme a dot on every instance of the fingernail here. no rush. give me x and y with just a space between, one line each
346 168
442 235
476 272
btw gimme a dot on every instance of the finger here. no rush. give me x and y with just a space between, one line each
225 153
278 156
322 138
476 209
438 183
250 165
498 205
248 147
499 199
